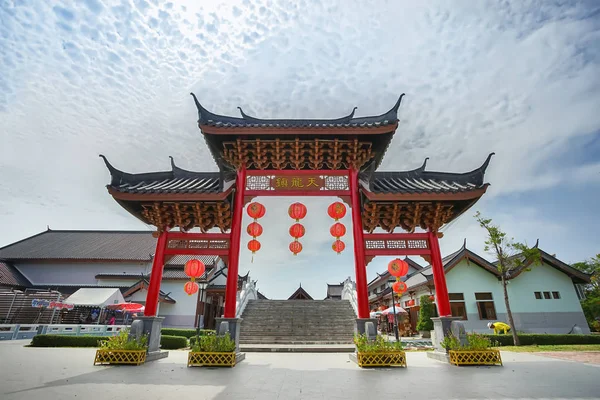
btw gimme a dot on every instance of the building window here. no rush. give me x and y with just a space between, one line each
538 295
485 306
547 295
556 295
580 292
457 305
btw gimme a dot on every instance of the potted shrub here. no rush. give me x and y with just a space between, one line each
122 350
212 351
477 351
378 353
425 324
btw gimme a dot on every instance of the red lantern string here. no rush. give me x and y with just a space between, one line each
338 246
190 288
297 231
256 210
297 211
194 269
295 247
399 287
398 267
337 210
337 230
254 229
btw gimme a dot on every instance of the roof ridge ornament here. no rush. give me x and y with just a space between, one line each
422 167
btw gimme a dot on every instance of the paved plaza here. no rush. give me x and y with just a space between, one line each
61 373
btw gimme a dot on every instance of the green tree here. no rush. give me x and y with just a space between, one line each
591 303
425 313
512 257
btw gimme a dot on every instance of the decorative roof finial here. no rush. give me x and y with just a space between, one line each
352 113
465 244
113 170
173 166
397 105
537 243
424 164
487 162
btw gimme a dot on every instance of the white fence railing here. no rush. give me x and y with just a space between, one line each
27 331
247 293
349 293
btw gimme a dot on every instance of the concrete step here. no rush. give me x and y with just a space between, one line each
297 348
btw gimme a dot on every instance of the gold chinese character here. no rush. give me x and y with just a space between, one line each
312 182
297 182
281 182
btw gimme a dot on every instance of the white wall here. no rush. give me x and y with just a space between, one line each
76 273
182 314
543 278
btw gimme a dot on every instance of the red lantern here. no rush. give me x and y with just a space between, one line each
337 210
337 230
398 267
399 287
297 211
190 288
194 269
295 247
254 229
256 210
297 231
338 246
254 246
432 298
410 303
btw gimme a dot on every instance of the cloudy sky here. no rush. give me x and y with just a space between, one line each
518 78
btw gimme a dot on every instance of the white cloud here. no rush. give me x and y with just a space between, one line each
82 78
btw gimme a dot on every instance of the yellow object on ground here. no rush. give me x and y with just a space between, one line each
500 327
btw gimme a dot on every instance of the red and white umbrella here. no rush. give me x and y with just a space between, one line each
399 310
127 307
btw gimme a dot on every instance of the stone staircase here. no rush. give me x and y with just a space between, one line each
298 322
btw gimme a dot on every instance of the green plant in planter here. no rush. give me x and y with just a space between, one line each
379 345
425 313
451 342
214 344
122 342
475 342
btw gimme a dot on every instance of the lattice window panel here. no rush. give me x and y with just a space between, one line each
120 357
258 183
198 244
211 359
395 244
336 183
468 357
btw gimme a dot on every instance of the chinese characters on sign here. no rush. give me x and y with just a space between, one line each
297 182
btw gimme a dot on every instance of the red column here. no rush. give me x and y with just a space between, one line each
156 276
439 277
234 245
360 266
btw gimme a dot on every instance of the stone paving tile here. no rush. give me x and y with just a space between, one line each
591 357
29 373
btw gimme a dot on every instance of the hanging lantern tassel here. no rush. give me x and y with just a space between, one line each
253 246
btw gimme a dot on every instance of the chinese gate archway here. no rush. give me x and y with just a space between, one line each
282 157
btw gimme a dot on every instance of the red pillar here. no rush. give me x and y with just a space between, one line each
360 266
234 245
156 276
439 277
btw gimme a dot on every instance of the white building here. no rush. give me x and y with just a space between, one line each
544 299
66 261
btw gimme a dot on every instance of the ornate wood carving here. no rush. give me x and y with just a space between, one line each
188 215
297 154
408 216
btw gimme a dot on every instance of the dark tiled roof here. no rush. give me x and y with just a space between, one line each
421 181
87 245
180 260
175 181
206 117
10 276
168 273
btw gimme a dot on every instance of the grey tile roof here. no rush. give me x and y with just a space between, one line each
206 117
10 276
168 273
175 181
87 245
421 181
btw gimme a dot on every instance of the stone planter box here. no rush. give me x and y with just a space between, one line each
475 357
209 359
381 359
120 357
